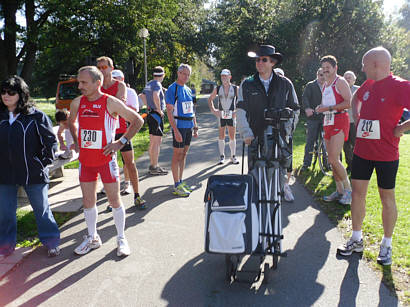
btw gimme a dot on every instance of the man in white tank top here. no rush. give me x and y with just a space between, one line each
226 114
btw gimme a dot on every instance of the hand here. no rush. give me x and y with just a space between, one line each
217 113
72 147
309 112
178 136
321 108
112 148
398 131
195 133
248 140
161 113
63 147
76 147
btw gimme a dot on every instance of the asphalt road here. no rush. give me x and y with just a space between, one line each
168 265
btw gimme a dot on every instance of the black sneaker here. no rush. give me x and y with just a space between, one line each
349 247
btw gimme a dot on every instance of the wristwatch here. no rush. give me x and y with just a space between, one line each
123 140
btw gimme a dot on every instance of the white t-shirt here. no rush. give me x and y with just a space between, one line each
132 99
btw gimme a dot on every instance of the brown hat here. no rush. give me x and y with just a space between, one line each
266 50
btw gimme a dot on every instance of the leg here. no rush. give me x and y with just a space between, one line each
182 161
358 206
389 213
155 143
129 165
221 141
48 231
175 164
334 148
232 143
312 134
8 222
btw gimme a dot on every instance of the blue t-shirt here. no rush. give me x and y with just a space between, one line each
184 105
149 90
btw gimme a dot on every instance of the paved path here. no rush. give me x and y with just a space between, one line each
168 266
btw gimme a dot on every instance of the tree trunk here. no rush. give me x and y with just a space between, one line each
8 60
31 42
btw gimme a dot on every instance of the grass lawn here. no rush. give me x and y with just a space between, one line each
372 226
26 226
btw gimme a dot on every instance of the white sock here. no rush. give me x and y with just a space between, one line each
90 215
386 242
119 220
346 184
356 235
232 147
339 187
221 146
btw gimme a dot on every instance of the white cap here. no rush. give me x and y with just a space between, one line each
117 73
225 72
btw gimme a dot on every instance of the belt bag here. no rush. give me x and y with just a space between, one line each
183 118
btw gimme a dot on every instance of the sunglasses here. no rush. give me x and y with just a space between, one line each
102 67
264 60
9 92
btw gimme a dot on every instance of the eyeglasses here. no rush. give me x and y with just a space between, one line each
9 92
264 60
102 67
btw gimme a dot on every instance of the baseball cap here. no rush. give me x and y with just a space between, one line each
225 72
116 73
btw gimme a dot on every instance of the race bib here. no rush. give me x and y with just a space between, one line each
187 107
91 139
329 119
368 129
226 114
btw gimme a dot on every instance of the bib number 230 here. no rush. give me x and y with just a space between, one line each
91 139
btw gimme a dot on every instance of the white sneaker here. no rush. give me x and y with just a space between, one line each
126 189
123 248
234 160
288 193
88 244
222 160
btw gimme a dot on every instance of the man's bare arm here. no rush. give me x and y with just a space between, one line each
75 104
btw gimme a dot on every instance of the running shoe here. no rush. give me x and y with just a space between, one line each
222 159
349 247
139 203
88 244
384 257
127 188
53 252
288 195
234 160
332 197
158 171
123 248
346 199
180 191
187 187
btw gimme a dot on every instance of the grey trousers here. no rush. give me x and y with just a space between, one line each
313 130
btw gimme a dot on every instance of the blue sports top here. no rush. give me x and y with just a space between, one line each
182 97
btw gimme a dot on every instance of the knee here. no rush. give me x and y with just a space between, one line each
333 159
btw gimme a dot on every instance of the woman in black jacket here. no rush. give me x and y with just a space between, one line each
27 146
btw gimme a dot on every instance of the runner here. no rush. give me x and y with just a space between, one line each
97 118
117 88
336 97
226 113
181 116
153 95
382 98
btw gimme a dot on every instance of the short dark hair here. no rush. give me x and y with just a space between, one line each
61 115
330 59
17 84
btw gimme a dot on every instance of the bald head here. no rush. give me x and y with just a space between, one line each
376 63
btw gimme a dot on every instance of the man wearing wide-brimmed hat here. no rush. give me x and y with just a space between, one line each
262 91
